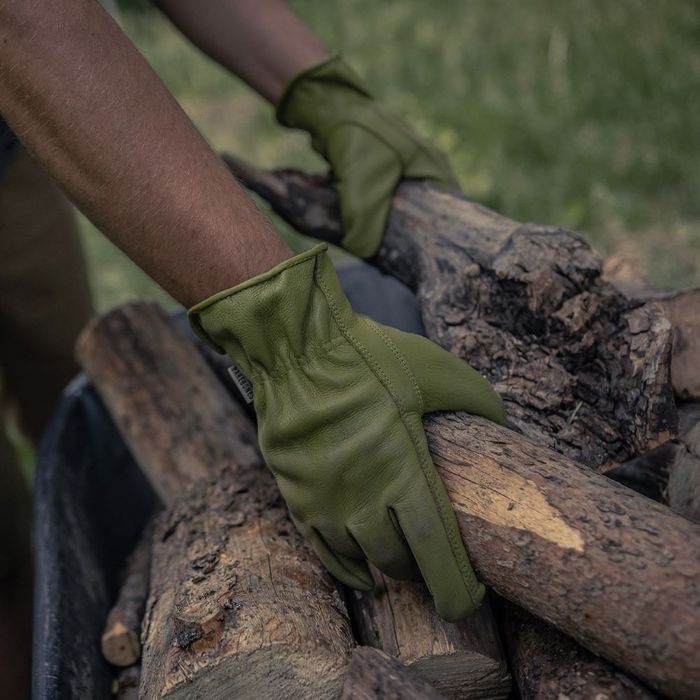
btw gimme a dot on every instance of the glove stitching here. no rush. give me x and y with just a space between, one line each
397 354
428 469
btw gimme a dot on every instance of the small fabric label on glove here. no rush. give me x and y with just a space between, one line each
242 383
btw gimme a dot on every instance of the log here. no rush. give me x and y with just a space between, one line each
682 308
126 684
239 605
550 666
671 472
121 639
463 660
583 370
683 488
610 568
374 675
247 603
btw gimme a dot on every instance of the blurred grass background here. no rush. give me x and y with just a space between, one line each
582 113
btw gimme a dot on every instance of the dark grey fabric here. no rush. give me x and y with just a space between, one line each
380 296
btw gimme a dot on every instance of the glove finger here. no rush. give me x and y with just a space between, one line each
431 531
354 573
447 383
384 545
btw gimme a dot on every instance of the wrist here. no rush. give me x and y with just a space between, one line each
279 319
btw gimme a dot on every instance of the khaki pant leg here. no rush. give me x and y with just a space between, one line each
44 294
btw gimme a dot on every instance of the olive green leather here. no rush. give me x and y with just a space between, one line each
369 149
339 400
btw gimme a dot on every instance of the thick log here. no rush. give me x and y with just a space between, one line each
121 639
612 569
240 607
583 370
463 660
237 600
374 675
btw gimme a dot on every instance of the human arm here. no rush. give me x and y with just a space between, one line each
370 150
260 41
88 106
341 429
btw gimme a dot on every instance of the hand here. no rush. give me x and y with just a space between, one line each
369 150
339 401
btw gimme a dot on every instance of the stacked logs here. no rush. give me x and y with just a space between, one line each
239 606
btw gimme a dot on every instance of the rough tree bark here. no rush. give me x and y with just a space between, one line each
682 308
374 675
551 666
238 604
583 370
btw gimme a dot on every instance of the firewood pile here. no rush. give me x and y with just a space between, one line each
580 516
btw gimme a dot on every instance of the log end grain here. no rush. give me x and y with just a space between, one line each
121 645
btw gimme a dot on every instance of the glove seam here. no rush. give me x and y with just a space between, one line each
397 354
428 473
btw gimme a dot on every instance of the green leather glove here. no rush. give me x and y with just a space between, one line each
369 150
339 401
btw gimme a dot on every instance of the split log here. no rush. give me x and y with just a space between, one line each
121 639
462 660
582 370
239 605
374 675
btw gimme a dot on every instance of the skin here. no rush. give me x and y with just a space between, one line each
90 109
260 41
85 102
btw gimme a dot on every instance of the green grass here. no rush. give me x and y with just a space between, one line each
582 113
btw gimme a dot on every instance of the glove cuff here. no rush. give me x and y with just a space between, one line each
277 320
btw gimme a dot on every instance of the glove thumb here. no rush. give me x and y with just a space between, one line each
446 382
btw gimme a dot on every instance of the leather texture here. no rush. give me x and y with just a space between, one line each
339 400
369 149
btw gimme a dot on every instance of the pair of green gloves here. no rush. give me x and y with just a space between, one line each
339 398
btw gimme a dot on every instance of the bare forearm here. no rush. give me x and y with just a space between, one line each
82 98
261 41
